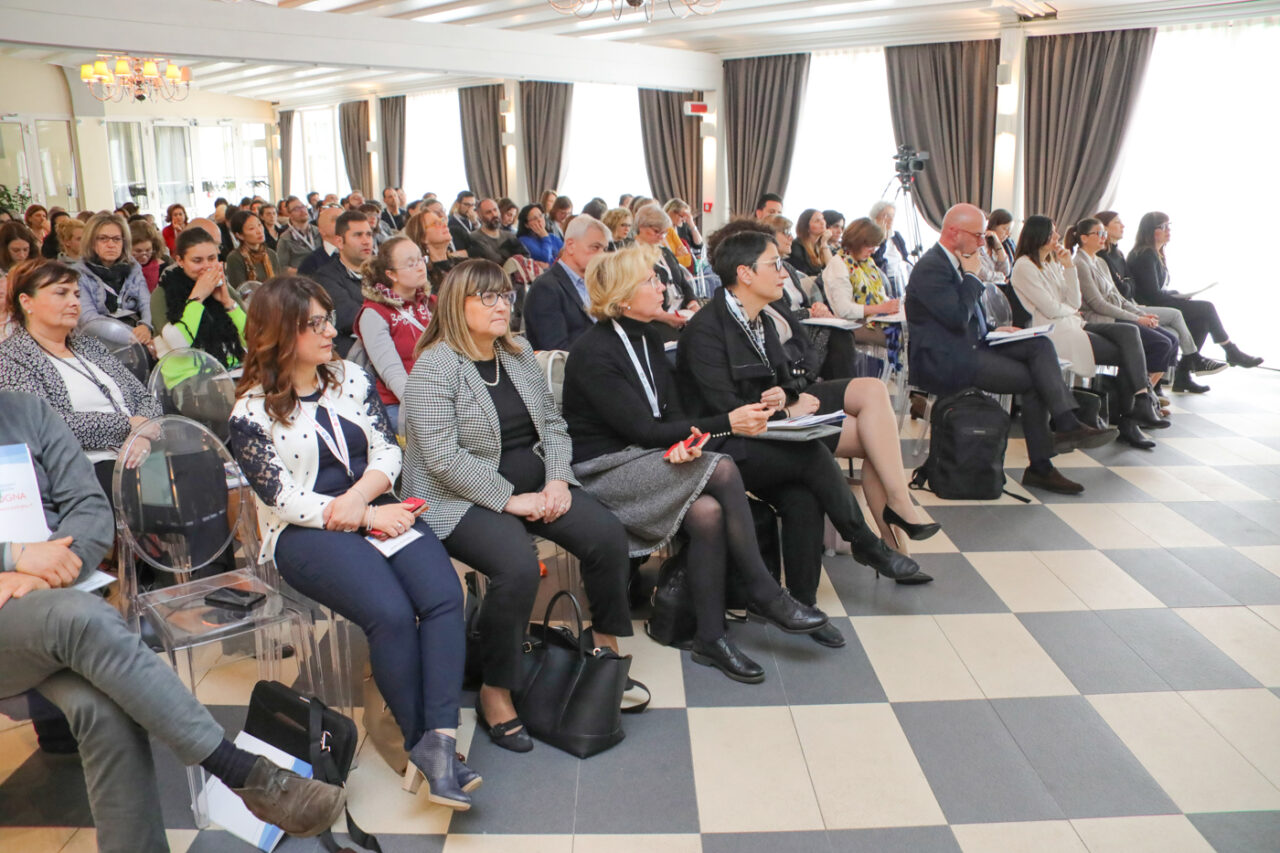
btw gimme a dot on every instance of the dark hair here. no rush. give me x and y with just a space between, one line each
998 217
739 250
462 195
277 315
832 217
51 246
737 225
562 202
1075 232
245 200
1146 239
505 204
625 199
595 208
1105 216
766 198
30 276
860 234
522 220
189 238
16 230
1036 233
239 220
347 219
168 213
369 207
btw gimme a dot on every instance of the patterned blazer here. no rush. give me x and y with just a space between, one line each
24 366
281 461
454 438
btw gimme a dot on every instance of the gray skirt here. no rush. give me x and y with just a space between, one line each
648 494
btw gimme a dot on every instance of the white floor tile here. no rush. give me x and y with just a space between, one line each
1267 556
1098 582
913 659
1243 635
1048 836
508 843
1023 582
1102 526
1156 834
1166 527
657 666
1249 720
1003 657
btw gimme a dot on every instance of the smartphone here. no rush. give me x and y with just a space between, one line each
231 598
417 506
697 444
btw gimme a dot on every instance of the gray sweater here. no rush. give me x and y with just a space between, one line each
74 504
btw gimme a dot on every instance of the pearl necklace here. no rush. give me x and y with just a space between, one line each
497 371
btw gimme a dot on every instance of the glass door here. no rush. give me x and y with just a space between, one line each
13 158
173 169
57 165
216 165
128 175
254 173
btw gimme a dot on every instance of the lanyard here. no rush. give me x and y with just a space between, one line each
304 237
337 443
87 372
650 391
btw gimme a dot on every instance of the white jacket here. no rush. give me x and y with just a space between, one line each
1052 295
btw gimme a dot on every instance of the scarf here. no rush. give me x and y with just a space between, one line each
754 329
113 277
216 334
252 259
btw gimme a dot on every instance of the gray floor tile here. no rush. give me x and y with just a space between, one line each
659 794
1170 579
1188 425
1227 523
48 790
1007 528
1263 479
1084 764
1100 486
765 842
708 687
913 839
1091 654
1264 513
1176 652
976 770
816 675
1233 573
957 588
1239 832
1116 453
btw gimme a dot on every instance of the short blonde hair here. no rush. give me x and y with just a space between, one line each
66 226
448 324
615 217
779 223
613 277
675 205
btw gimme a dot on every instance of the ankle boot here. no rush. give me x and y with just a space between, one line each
1183 382
433 758
1237 358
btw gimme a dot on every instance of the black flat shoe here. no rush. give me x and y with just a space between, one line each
1132 436
913 531
729 659
887 562
787 614
502 734
828 635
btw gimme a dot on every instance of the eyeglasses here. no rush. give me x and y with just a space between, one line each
1164 227
778 263
977 235
413 264
490 298
317 323
652 281
107 238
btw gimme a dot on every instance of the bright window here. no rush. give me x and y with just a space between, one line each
605 155
299 184
1211 170
325 172
433 146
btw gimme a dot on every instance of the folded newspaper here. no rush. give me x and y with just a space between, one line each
832 322
994 338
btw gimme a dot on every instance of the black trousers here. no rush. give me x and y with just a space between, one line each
1202 318
1030 369
802 481
1120 345
499 546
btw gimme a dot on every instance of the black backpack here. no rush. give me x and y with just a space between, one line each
969 431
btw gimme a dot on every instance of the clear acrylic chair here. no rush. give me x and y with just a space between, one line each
180 503
118 338
247 290
194 384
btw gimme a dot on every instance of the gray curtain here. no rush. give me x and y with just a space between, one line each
762 100
286 150
482 154
943 100
672 146
544 117
1081 92
353 130
391 129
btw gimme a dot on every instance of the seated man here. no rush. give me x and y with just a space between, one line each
490 240
328 246
555 309
947 351
342 277
76 651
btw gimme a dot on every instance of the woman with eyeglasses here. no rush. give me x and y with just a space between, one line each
111 281
394 315
311 436
489 452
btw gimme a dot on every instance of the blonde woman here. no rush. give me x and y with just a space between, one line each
111 281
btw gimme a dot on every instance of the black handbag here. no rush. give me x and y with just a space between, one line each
672 621
309 730
570 694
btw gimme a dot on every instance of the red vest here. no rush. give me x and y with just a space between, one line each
404 335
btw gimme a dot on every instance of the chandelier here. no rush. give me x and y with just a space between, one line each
679 8
132 78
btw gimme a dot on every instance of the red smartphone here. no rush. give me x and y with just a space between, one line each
697 444
417 506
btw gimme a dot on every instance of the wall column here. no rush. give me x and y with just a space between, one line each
89 131
1007 175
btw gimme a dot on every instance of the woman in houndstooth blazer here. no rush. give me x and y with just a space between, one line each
488 451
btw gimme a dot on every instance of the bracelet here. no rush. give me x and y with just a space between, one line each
368 518
360 493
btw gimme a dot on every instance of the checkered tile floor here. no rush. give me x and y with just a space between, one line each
1092 673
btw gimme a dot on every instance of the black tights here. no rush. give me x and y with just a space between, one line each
721 530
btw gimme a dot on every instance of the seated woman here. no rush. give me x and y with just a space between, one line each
200 311
1101 302
147 249
111 281
37 219
835 229
488 451
271 229
176 218
70 231
17 244
857 287
618 220
809 253
253 260
730 357
1151 287
531 229
429 231
623 413
394 315
1192 362
652 226
683 237
314 442
75 651
94 393
49 247
1045 279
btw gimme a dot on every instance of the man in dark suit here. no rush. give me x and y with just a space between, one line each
947 351
341 278
328 247
555 310
461 223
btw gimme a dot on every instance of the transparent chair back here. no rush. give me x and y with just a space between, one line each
194 384
247 290
996 306
118 338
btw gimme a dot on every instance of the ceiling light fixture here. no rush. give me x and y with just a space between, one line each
679 8
131 78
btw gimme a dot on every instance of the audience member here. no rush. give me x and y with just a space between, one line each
342 276
891 256
488 451
835 229
394 315
770 204
651 227
639 202
624 200
111 281
509 210
327 247
555 307
147 248
684 239
430 231
490 241
49 247
252 261
618 220
531 229
855 286
462 219
17 244
998 242
319 497
373 212
546 201
809 252
200 310
559 215
391 214
271 226
70 230
299 238
596 208
37 219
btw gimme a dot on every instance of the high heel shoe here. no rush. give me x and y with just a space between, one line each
433 758
913 531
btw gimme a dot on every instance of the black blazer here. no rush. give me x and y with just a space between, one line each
881 254
676 279
394 221
945 324
460 233
1150 277
719 369
1119 268
799 259
347 298
312 262
553 314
